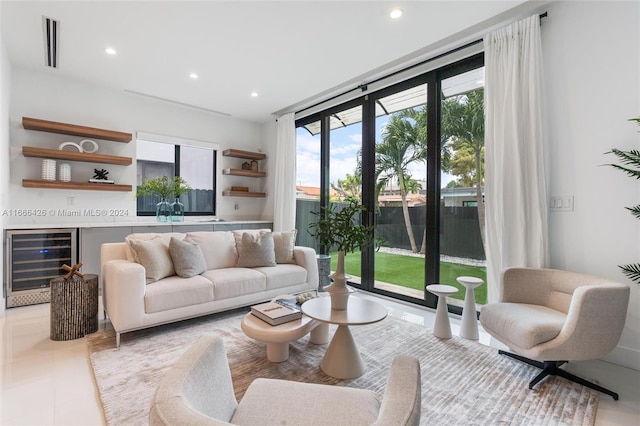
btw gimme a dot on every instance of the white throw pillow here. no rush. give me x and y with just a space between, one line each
187 258
147 236
257 249
284 243
218 248
154 256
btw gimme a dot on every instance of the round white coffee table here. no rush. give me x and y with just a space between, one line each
442 328
277 337
342 359
469 328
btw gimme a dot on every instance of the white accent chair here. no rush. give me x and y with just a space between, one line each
548 317
198 390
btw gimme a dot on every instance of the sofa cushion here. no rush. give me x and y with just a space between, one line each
218 248
283 243
131 255
237 235
175 292
256 250
154 255
187 257
232 282
283 275
343 405
520 324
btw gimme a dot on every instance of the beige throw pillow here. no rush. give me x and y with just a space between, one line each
257 249
284 243
154 256
187 258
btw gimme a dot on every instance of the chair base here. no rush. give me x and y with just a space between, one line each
552 368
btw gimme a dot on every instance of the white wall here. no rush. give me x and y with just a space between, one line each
46 96
5 83
592 62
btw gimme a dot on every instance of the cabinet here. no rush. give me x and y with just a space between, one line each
75 130
246 155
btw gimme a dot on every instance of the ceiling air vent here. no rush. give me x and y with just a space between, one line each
51 32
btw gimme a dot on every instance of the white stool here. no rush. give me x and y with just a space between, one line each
469 328
442 328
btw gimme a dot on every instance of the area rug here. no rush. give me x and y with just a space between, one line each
463 382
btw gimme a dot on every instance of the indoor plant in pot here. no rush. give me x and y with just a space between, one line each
337 228
161 186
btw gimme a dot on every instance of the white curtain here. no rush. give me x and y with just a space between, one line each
284 192
515 193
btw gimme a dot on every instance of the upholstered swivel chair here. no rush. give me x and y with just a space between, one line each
548 317
198 390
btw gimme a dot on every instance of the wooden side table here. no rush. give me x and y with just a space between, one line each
74 307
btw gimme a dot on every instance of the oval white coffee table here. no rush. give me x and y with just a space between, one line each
442 327
277 337
342 359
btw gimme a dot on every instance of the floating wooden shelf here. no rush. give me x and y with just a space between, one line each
244 194
74 130
30 151
247 155
54 184
245 173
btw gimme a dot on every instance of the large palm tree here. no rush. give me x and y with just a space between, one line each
403 143
463 130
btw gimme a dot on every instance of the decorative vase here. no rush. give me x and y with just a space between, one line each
163 211
339 291
177 211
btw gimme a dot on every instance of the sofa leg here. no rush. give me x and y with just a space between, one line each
552 368
117 339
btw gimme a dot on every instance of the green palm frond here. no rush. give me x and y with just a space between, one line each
632 271
635 211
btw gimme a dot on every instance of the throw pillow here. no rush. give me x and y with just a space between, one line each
238 233
284 243
257 249
187 258
154 256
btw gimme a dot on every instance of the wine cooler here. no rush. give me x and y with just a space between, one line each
34 257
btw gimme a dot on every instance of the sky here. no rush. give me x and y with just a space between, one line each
345 144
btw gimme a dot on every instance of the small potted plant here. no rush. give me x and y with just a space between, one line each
337 228
163 187
180 187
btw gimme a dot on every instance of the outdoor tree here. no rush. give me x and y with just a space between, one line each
463 130
350 186
403 143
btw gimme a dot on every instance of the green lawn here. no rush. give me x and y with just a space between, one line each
408 271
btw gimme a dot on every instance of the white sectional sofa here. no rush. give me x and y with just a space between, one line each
152 279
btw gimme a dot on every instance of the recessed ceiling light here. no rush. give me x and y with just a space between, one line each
396 13
110 51
193 75
254 94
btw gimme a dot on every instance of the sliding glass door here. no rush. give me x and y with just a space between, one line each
413 154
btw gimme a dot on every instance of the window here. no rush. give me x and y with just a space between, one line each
196 164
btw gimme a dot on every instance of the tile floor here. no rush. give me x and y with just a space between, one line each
43 382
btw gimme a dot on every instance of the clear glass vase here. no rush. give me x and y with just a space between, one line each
177 211
163 211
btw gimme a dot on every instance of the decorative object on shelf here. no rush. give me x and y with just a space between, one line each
254 166
93 143
70 144
632 160
48 169
180 187
337 228
163 211
65 172
246 166
100 176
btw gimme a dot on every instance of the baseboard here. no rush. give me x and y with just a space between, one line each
625 357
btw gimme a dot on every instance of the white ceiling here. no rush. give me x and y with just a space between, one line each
287 51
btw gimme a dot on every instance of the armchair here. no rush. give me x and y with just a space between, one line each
548 317
198 390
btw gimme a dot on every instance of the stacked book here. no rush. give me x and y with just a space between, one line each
278 311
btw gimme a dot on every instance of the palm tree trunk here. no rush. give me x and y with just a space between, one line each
407 222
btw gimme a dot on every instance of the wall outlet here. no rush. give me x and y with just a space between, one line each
561 203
